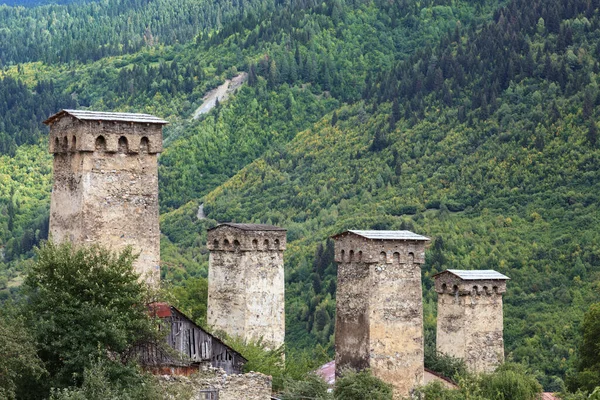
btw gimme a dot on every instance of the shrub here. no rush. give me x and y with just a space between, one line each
361 385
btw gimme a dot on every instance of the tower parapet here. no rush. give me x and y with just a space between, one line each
246 283
105 187
470 317
379 318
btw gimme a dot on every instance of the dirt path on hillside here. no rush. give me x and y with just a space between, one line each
221 93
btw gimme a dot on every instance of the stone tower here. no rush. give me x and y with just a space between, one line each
379 321
469 320
106 183
246 281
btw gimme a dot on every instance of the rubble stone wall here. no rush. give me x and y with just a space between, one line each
379 321
470 321
250 386
246 285
106 188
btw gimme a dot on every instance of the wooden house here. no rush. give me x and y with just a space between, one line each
189 347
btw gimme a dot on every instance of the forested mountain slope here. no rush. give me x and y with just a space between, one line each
472 122
92 30
488 144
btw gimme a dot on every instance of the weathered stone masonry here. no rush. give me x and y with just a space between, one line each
470 320
379 321
106 183
246 281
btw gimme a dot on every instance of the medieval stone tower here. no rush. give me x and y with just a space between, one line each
106 182
379 321
246 281
470 321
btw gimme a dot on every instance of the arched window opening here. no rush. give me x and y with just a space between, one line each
65 144
255 244
351 256
495 289
123 145
411 258
226 243
397 258
382 256
455 289
144 145
100 143
485 289
266 244
277 244
56 145
216 244
444 287
343 256
359 259
236 245
74 143
475 290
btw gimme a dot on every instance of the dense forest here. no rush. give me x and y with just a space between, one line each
472 122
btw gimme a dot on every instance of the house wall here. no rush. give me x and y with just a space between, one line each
379 319
107 195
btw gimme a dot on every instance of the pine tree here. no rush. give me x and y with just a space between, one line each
592 135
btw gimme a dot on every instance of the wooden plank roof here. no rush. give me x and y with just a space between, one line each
165 310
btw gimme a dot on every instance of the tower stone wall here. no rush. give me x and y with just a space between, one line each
379 317
470 319
246 283
105 187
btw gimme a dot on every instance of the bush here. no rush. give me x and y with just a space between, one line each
443 364
361 385
99 385
311 387
510 382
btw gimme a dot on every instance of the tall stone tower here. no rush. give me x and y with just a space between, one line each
106 183
379 321
470 321
246 281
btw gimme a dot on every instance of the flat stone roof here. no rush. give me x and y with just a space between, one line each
476 275
386 235
250 227
85 115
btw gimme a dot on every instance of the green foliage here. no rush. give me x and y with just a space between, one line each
444 364
509 382
311 386
85 305
192 299
19 362
99 384
587 376
260 359
361 385
590 346
290 369
67 33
